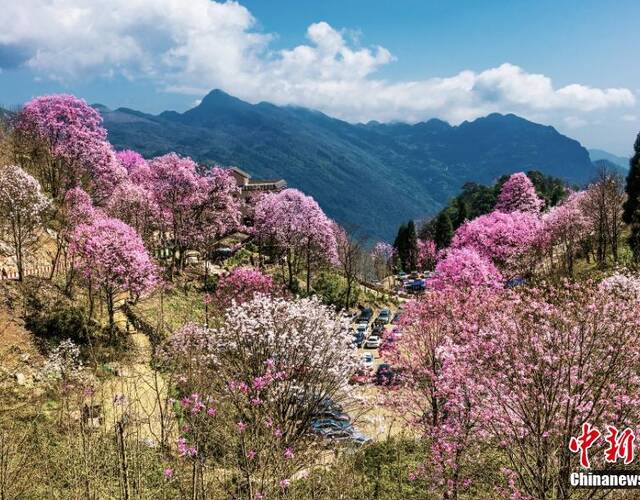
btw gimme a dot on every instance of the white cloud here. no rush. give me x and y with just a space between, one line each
629 118
193 46
575 122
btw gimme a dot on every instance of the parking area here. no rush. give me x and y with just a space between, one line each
372 330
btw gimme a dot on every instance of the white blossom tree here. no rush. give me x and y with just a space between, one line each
22 207
256 383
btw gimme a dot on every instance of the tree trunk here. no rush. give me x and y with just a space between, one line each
290 266
110 311
124 468
308 270
348 295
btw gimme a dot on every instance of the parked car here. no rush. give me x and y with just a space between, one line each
358 339
373 342
338 431
384 317
323 423
377 329
365 315
361 376
222 253
418 285
386 375
367 359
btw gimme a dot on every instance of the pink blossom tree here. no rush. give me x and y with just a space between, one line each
218 212
436 400
66 144
518 194
551 360
427 254
464 268
505 238
241 285
256 383
22 210
76 208
111 258
565 229
382 257
521 371
135 204
295 226
194 210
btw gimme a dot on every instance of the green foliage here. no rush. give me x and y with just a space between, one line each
377 471
631 206
243 257
332 289
551 189
66 322
406 246
443 229
475 200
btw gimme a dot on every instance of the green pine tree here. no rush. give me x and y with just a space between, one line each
463 212
631 206
400 244
632 188
411 262
443 230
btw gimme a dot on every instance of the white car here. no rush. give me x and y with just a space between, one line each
362 327
373 342
367 360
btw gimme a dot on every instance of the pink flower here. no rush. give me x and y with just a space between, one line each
258 496
212 412
284 484
288 453
241 427
184 450
277 433
168 473
251 454
260 383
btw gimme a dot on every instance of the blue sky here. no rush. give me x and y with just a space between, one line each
570 64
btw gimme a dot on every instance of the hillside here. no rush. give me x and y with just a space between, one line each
369 175
599 154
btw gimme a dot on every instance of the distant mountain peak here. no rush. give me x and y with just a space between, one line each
100 108
219 98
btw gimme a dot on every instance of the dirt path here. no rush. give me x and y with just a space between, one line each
136 394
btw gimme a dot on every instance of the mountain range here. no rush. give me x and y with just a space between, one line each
599 154
369 176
